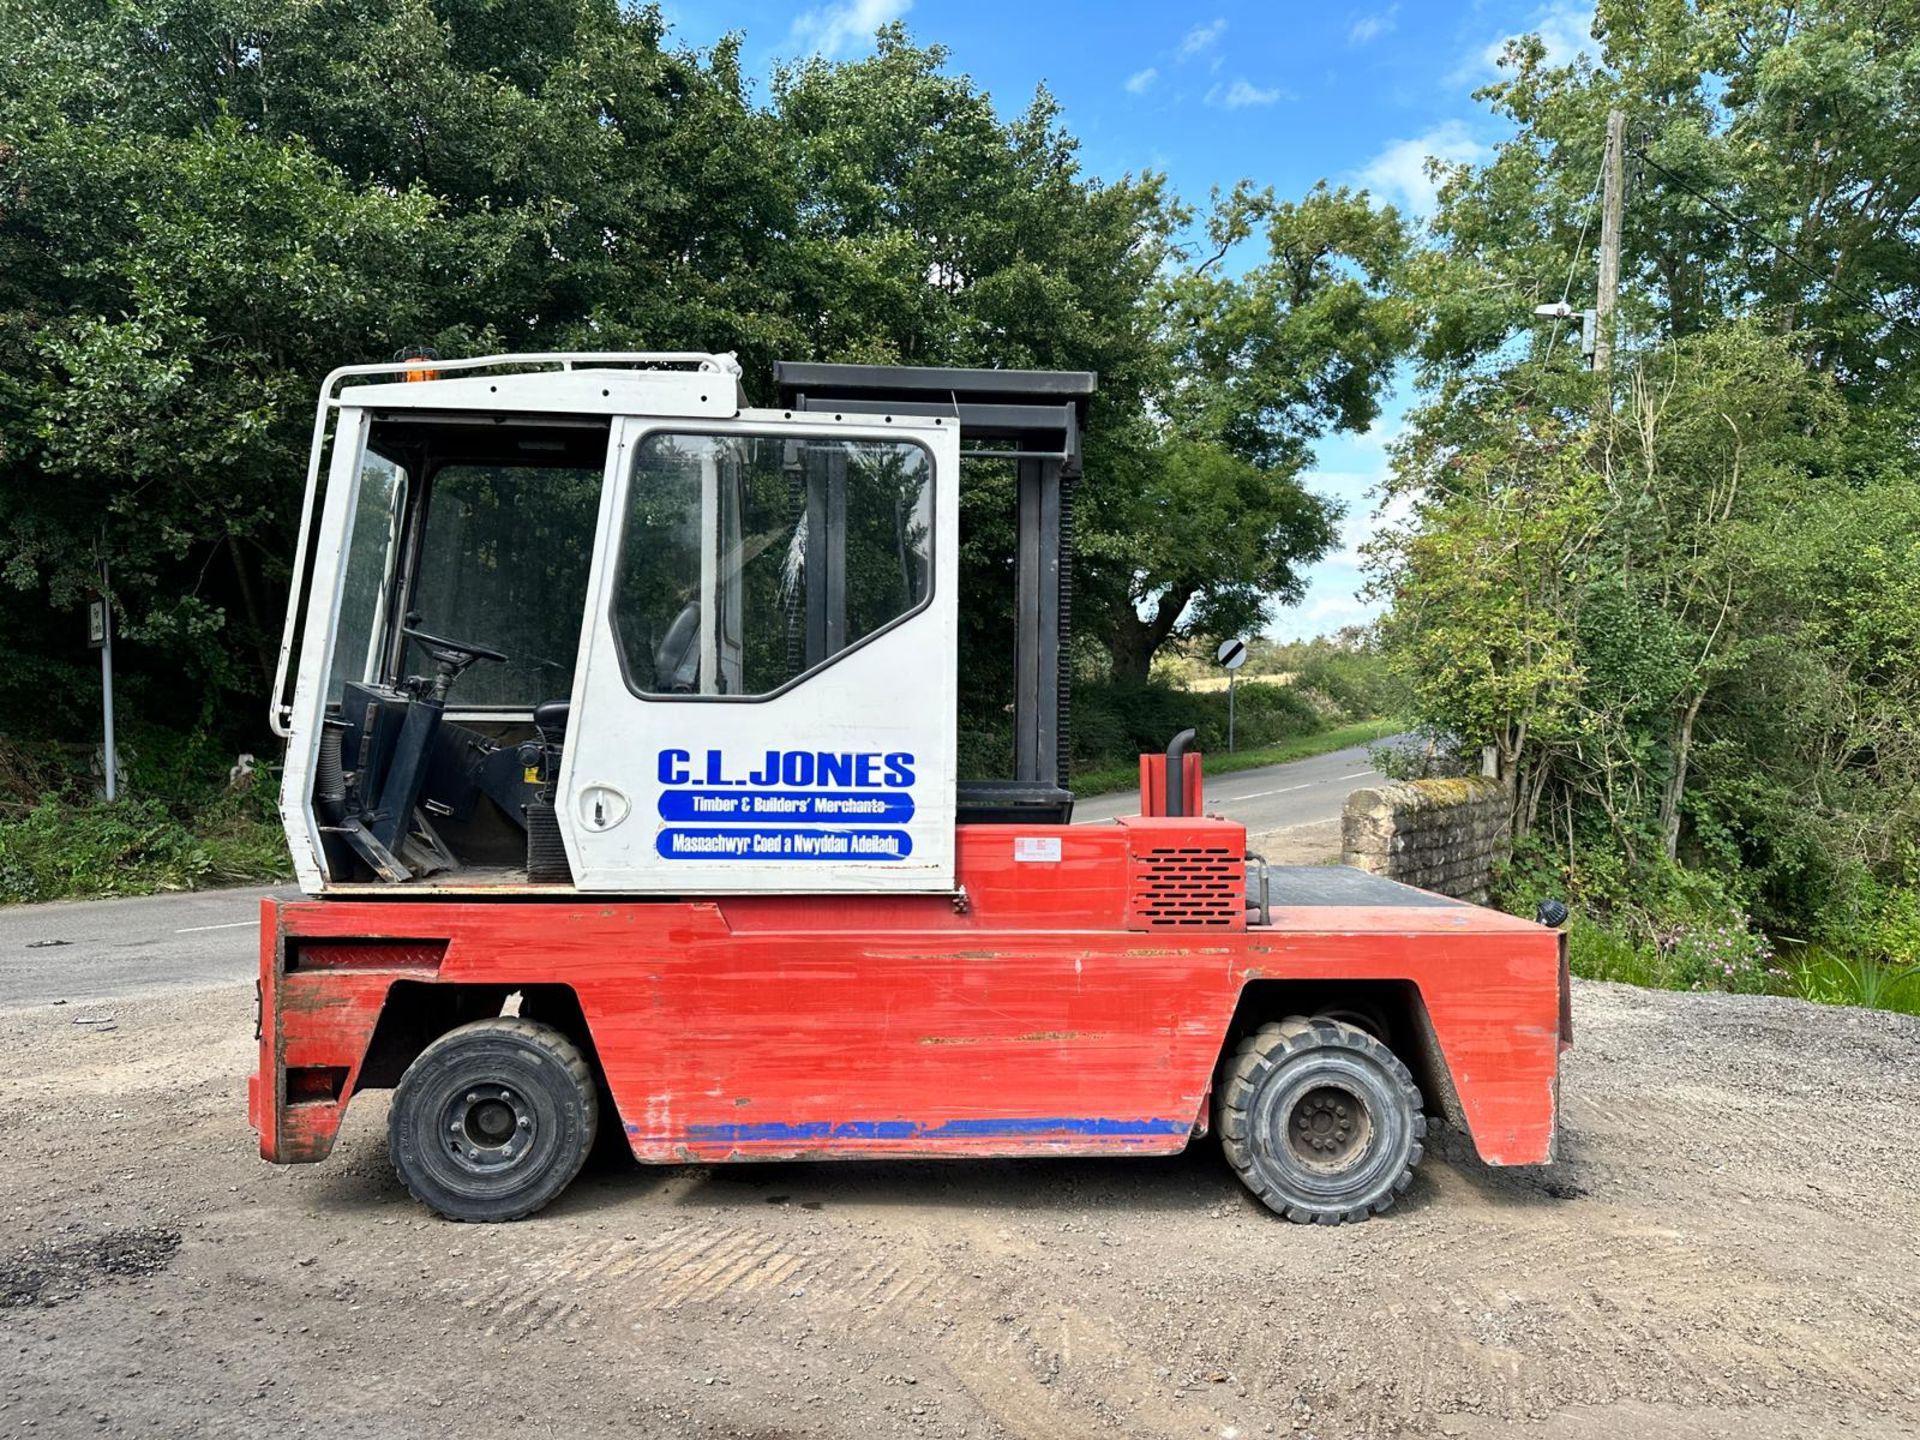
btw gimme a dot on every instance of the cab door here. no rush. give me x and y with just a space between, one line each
766 696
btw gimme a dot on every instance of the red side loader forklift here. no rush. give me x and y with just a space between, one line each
621 727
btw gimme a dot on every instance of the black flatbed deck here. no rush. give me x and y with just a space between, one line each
1317 885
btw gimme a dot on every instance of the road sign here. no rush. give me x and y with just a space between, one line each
96 624
1232 654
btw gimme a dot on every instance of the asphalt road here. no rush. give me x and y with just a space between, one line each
1270 798
83 951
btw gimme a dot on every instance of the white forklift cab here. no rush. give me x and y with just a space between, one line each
589 623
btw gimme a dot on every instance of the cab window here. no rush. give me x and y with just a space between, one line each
747 561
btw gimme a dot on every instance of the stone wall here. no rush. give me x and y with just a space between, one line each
1444 835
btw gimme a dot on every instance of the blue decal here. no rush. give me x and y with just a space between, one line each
787 807
687 842
830 805
973 1128
842 805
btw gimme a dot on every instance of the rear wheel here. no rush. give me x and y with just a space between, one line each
1319 1119
493 1120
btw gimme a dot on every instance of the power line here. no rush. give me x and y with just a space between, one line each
1753 231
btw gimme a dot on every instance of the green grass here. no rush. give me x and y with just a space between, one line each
61 851
1600 952
1833 979
1297 747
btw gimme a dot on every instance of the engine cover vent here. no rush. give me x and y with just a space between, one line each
1187 886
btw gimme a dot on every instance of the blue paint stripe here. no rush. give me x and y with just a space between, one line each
973 1128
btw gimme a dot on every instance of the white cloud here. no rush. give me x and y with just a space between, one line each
1202 38
1366 515
1399 172
1240 94
1565 27
1354 490
1336 612
1332 599
1369 28
1366 520
847 25
1141 81
1378 439
1326 613
1355 531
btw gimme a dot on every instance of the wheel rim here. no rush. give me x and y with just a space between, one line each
488 1129
1328 1128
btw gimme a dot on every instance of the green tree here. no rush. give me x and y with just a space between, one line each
1730 683
1254 367
1488 575
935 233
207 204
1770 174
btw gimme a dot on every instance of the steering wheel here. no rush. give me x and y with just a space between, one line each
450 658
453 652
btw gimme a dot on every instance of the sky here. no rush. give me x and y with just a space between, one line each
1285 93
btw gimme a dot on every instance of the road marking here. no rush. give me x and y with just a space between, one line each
235 925
1255 794
1262 794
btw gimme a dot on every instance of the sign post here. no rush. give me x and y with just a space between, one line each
100 637
1232 654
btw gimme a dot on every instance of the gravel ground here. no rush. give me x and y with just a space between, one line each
1315 843
1727 1248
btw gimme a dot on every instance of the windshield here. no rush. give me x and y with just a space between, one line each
503 563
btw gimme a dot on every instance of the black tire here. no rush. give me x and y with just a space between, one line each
493 1120
1360 1015
1319 1120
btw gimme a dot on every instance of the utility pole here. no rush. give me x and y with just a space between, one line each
1613 205
100 637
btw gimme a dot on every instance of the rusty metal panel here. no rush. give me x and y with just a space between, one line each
376 954
320 1000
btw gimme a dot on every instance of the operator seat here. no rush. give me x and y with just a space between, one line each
550 719
676 659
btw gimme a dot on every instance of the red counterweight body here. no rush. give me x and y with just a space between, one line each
1072 998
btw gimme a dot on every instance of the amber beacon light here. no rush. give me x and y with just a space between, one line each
420 353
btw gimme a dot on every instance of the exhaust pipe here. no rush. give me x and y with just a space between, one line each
1175 801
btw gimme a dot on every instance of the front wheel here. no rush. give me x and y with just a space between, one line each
493 1120
1320 1120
